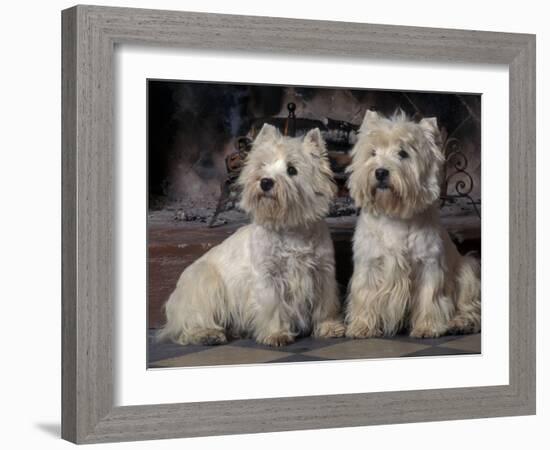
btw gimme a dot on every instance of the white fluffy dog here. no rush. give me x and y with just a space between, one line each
273 279
407 272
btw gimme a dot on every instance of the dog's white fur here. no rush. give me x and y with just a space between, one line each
407 272
273 279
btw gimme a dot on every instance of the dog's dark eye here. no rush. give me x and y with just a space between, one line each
291 170
373 152
403 154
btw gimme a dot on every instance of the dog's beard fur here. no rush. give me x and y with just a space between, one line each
285 206
295 200
401 195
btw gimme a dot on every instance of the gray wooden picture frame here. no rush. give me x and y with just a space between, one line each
90 34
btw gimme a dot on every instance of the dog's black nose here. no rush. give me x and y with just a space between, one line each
266 184
381 174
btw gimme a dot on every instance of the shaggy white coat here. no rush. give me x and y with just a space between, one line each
273 279
407 272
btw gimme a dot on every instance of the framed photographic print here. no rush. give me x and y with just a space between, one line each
307 219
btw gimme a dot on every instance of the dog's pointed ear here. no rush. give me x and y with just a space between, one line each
429 124
431 131
370 119
433 136
267 133
314 142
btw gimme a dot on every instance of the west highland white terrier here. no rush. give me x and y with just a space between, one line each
407 271
273 279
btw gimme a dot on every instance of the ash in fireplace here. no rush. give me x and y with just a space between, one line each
190 213
342 207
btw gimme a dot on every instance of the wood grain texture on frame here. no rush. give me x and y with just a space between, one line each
89 37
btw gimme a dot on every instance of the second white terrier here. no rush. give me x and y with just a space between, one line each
407 271
273 279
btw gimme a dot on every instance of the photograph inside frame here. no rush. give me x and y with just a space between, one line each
290 224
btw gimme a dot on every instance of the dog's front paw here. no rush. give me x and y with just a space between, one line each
277 340
330 329
462 325
360 330
208 336
425 331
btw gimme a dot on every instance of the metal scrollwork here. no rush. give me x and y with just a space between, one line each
457 162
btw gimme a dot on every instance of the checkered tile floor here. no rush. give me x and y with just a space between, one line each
246 351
